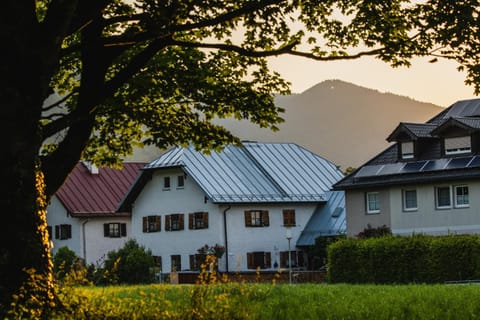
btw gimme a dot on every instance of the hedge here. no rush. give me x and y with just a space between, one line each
399 260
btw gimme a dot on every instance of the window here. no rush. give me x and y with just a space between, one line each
196 261
458 145
461 197
373 202
166 183
157 260
262 260
407 150
180 182
443 197
151 224
50 231
114 230
409 200
257 218
296 256
176 262
289 218
337 212
198 220
63 231
174 222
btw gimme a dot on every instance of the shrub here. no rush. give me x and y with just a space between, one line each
64 261
131 264
415 259
370 232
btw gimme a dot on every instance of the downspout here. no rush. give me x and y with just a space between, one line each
226 236
84 241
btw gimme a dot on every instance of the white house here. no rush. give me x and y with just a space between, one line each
427 181
82 214
246 199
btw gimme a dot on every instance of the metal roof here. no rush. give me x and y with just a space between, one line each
255 172
327 220
88 193
464 108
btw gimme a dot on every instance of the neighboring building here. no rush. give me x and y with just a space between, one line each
82 214
428 181
245 199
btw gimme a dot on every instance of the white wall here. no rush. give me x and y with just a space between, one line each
96 245
153 200
428 219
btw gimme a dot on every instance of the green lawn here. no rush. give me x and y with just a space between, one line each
262 301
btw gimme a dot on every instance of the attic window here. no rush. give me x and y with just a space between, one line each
407 150
458 145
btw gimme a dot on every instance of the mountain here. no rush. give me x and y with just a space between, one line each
340 121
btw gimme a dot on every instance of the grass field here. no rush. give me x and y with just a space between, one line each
263 301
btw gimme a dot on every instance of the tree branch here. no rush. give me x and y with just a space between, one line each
53 105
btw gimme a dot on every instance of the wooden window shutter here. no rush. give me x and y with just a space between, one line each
180 221
248 218
106 229
283 259
158 223
123 229
168 226
205 220
192 262
250 261
49 229
191 225
268 260
145 224
265 218
69 231
57 232
300 259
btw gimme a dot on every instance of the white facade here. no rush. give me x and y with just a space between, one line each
426 218
87 238
154 199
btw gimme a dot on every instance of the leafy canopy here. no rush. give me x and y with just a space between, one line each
134 73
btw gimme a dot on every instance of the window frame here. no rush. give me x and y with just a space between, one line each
63 231
121 230
404 155
367 202
437 198
174 222
151 223
167 183
257 218
404 200
174 266
455 151
181 182
254 256
455 196
198 220
289 218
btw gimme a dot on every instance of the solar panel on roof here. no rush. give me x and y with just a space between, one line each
457 163
368 171
413 166
437 164
475 162
390 169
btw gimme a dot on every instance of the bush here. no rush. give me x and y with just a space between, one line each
416 259
64 261
131 264
377 232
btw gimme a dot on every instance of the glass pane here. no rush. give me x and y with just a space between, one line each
461 195
410 199
443 197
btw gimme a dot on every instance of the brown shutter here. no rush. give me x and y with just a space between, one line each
69 231
106 229
250 261
123 229
145 224
168 225
190 221
268 260
265 218
181 222
192 262
57 232
248 219
283 259
205 220
300 259
158 223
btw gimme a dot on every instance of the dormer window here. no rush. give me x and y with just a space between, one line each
407 150
458 145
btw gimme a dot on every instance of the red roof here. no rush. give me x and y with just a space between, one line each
87 194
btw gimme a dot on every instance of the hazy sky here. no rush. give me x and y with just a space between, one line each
439 83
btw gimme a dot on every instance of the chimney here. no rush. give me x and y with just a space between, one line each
91 167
